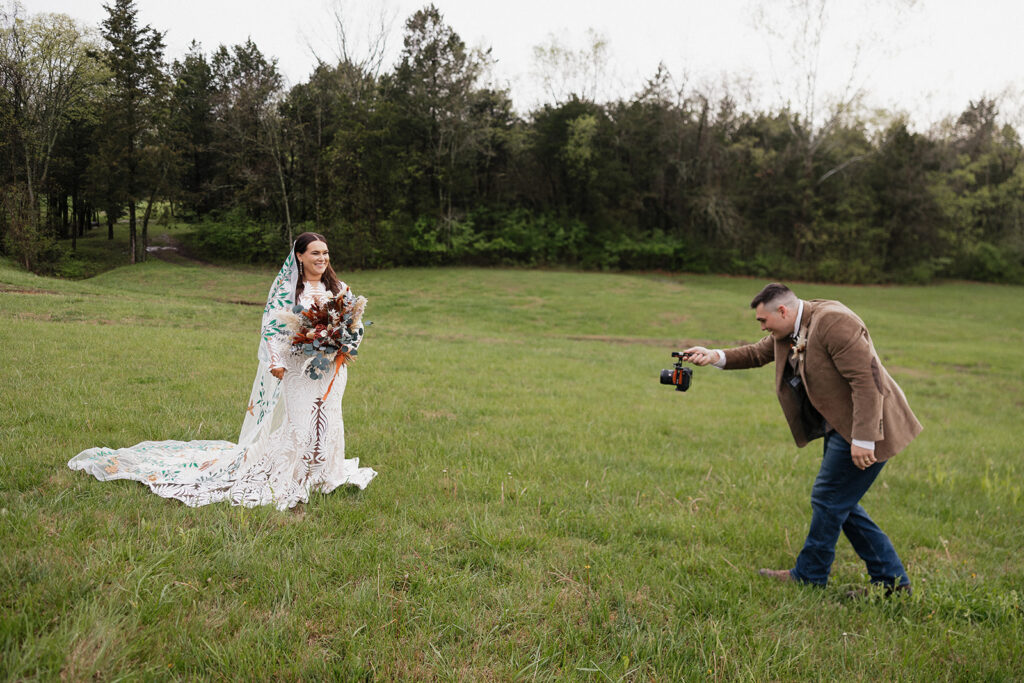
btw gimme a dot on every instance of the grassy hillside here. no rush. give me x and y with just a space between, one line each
544 509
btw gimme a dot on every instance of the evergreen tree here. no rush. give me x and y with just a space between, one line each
193 96
134 57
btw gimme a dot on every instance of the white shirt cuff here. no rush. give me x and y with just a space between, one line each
869 445
720 363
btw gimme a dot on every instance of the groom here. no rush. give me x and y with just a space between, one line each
830 384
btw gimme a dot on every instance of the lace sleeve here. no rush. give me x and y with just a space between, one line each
276 352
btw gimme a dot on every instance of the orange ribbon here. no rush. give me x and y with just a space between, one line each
340 358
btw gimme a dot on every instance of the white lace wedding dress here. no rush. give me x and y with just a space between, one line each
292 442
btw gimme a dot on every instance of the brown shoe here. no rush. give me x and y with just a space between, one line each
777 574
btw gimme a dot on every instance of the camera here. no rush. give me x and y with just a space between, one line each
678 376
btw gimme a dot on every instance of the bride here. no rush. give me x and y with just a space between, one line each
292 439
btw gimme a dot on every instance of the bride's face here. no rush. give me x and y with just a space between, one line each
314 260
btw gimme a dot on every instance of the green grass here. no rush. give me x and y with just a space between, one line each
544 509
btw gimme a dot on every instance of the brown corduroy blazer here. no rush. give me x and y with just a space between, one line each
844 379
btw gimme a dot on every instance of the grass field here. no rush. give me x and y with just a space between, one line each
545 510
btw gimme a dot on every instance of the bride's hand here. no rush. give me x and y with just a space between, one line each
277 372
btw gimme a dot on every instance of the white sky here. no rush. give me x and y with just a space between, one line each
928 61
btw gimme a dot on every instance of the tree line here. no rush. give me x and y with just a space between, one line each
427 163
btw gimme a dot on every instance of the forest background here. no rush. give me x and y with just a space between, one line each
427 162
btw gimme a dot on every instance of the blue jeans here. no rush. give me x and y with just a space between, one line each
835 500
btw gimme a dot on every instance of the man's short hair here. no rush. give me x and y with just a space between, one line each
771 293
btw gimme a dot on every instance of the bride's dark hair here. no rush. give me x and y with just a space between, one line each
329 279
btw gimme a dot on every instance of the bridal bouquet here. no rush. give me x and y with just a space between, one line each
328 331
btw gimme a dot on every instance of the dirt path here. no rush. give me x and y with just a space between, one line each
168 249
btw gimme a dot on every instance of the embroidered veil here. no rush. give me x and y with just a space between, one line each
266 389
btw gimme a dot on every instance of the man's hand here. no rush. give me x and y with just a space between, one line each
277 372
862 457
698 355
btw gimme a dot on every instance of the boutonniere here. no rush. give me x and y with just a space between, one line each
801 343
